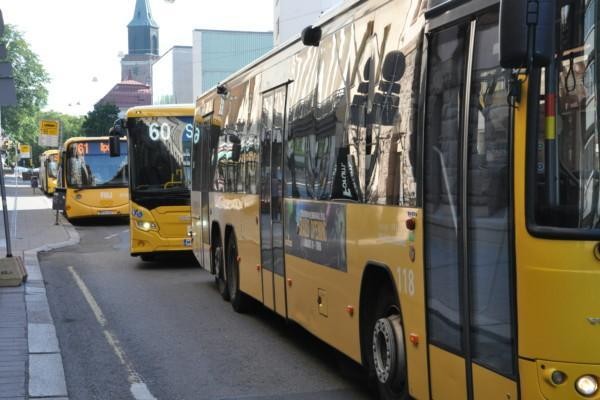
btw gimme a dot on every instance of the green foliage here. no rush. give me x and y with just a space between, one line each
98 121
20 121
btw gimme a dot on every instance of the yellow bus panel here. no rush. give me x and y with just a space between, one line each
109 202
162 229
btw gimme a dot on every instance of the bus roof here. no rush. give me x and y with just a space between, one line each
161 110
49 152
84 139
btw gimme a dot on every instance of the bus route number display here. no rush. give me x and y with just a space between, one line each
101 148
162 131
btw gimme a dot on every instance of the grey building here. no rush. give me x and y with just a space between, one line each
218 53
172 77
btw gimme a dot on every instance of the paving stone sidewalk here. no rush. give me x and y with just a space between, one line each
30 360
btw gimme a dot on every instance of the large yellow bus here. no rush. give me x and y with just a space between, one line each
48 170
388 185
95 183
160 140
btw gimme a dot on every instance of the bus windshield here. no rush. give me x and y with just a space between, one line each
160 154
52 168
89 165
568 161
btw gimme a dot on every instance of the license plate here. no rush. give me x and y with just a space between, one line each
106 212
187 242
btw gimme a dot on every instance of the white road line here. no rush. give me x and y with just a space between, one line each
125 231
89 298
111 236
138 388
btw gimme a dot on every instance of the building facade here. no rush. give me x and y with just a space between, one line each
217 54
172 77
128 94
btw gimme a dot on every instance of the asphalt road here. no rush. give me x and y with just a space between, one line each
134 330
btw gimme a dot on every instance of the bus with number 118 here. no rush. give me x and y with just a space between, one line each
417 183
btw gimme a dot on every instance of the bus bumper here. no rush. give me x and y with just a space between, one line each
152 242
537 382
78 210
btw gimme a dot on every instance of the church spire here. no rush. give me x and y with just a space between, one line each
143 30
142 15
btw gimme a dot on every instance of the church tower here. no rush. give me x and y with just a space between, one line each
143 45
143 31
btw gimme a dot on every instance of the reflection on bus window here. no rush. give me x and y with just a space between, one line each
89 165
161 153
569 154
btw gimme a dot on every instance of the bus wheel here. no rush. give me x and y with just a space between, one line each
147 257
387 361
219 272
239 300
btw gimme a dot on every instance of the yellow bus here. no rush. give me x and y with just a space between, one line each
95 183
388 185
160 139
48 170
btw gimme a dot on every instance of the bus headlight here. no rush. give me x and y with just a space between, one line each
586 385
146 225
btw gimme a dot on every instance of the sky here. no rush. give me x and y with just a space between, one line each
79 42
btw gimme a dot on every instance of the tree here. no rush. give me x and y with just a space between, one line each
98 121
20 121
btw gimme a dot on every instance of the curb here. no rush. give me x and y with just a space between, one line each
46 377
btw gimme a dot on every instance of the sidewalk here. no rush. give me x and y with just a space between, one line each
30 359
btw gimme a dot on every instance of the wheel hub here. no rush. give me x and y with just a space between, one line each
388 351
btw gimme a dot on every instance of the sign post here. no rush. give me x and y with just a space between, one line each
12 272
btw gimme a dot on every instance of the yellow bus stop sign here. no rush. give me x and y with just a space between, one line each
25 151
48 127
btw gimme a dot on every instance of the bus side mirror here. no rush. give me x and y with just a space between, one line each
114 143
516 16
311 36
114 140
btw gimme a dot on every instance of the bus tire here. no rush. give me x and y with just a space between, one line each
219 271
239 300
386 357
147 257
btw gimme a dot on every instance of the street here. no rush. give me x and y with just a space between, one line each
131 329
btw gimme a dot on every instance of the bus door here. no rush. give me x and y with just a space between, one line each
200 201
271 199
467 200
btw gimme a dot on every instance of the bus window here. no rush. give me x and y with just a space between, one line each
161 153
89 165
570 196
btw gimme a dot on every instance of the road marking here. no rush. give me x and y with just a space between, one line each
89 298
138 388
111 236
